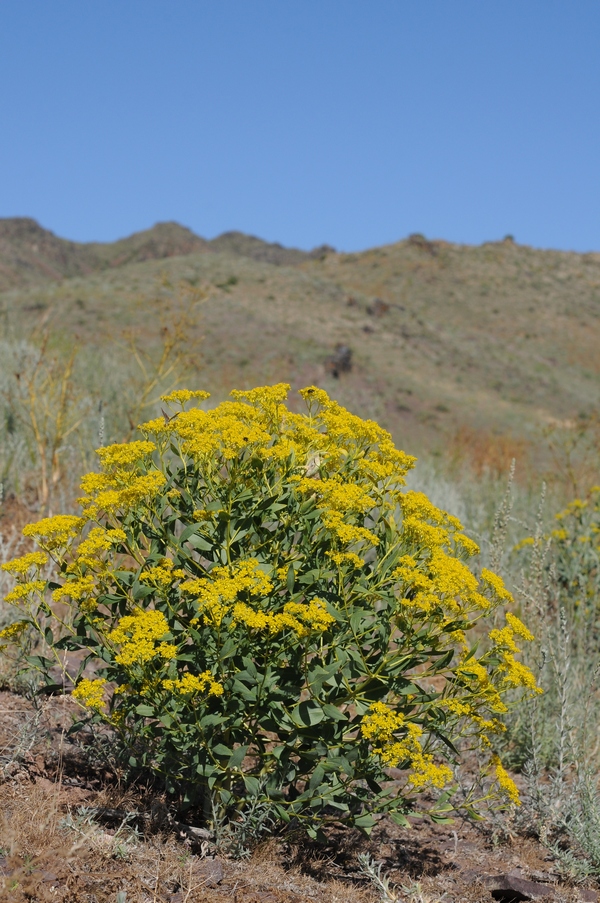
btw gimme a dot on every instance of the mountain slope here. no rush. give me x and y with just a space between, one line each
29 253
446 345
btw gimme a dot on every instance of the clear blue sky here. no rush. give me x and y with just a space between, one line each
352 122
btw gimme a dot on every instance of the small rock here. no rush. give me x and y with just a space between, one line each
378 308
340 362
588 896
511 888
209 872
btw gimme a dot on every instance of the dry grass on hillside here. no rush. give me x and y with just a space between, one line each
498 340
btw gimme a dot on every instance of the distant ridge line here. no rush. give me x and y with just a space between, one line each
30 253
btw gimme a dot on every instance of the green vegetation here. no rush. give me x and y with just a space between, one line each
275 618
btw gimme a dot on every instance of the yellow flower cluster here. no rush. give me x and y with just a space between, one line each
20 566
225 431
23 590
336 495
216 594
472 670
296 616
506 783
138 635
90 693
13 631
348 534
506 635
417 505
515 673
496 584
440 582
180 396
55 532
468 545
338 499
573 507
89 552
81 588
268 399
380 726
162 574
190 684
121 490
124 454
381 723
341 558
482 726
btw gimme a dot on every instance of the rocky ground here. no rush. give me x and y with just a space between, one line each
70 832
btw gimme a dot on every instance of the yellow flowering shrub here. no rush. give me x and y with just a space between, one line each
269 610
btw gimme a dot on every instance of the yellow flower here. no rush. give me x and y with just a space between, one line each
20 566
347 533
127 496
469 545
157 576
90 693
180 396
528 541
505 783
341 558
137 635
425 771
267 398
518 674
315 397
79 588
314 615
496 584
189 684
217 593
54 532
417 505
97 541
14 631
518 627
381 722
23 590
124 454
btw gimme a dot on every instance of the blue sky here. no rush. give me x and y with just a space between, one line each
351 122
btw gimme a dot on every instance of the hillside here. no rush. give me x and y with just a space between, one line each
449 346
29 253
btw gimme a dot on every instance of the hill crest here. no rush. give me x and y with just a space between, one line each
30 253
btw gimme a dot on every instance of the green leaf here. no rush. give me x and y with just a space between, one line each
399 819
334 713
307 714
238 757
199 542
220 749
145 710
365 822
290 579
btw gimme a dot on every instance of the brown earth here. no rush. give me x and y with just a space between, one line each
69 831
